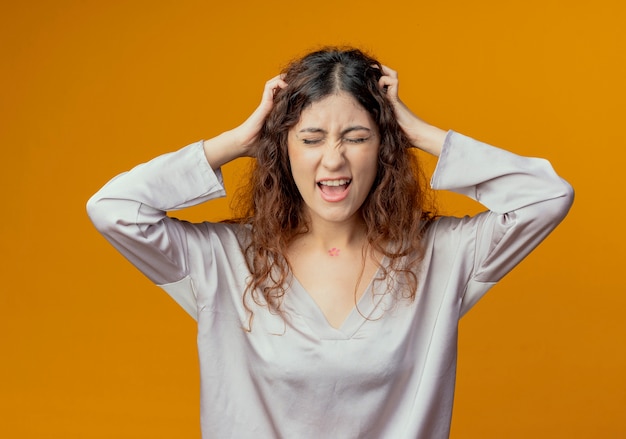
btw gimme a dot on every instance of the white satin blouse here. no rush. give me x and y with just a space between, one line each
389 370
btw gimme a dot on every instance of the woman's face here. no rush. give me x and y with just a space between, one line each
333 152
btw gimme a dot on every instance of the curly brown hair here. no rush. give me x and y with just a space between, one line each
394 211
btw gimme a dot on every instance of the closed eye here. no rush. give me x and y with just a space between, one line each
311 141
357 140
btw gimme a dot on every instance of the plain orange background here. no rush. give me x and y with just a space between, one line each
90 349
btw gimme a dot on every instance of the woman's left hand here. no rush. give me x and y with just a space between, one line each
421 135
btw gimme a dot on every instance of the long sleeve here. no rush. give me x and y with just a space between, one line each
130 210
526 201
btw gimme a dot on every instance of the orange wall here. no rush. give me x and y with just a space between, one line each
90 349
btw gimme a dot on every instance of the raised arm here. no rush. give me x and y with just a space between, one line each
525 197
130 210
526 200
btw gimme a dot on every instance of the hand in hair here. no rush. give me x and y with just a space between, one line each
249 131
241 141
421 134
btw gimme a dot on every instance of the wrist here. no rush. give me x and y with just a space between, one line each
428 138
240 144
223 148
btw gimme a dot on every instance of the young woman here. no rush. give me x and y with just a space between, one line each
330 308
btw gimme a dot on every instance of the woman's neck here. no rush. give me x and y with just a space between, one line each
333 237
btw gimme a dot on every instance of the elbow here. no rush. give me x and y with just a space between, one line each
96 212
561 205
101 214
567 200
115 217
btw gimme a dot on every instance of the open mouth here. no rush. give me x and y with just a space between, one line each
334 187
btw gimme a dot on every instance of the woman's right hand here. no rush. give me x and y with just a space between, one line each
243 140
249 131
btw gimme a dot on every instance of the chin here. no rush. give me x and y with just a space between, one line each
338 217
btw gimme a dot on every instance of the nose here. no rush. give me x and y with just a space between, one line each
333 156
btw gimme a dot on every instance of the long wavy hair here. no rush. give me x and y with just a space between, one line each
394 212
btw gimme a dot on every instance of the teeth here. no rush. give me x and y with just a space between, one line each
334 182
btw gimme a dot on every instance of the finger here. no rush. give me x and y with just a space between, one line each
280 76
270 89
272 86
389 84
277 80
389 72
281 83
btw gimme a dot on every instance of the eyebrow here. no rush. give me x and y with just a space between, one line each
344 132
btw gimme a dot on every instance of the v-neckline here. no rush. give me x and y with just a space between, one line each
302 303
